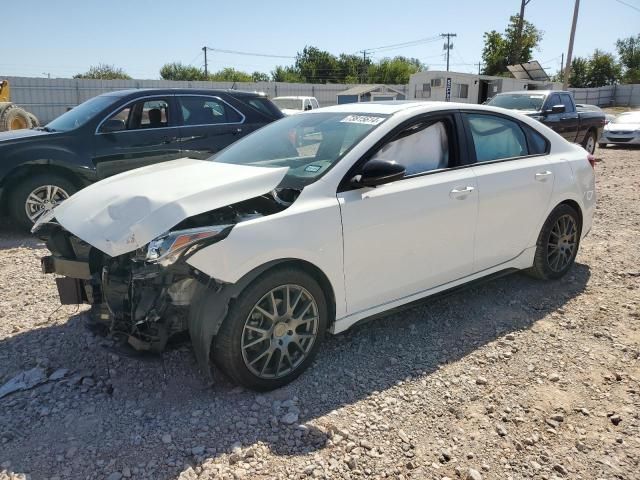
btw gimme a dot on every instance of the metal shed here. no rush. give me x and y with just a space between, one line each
369 93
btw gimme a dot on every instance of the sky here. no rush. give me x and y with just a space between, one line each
63 37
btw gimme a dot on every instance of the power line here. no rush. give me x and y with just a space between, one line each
448 46
628 5
249 54
404 44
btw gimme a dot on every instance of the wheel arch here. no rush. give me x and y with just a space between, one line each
573 204
211 302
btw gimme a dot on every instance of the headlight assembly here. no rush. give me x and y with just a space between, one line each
167 248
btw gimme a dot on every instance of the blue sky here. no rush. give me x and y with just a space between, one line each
64 37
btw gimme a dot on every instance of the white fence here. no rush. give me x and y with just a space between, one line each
609 96
48 98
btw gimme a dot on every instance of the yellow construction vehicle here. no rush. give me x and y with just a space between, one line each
12 117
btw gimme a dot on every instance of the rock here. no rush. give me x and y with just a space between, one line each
24 381
166 438
615 419
366 444
552 423
59 374
481 381
473 474
501 430
560 469
88 382
557 417
290 418
199 450
554 377
115 476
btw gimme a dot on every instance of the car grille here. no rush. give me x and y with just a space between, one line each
619 139
619 132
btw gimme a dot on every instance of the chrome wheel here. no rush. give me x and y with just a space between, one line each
562 243
591 144
43 199
280 331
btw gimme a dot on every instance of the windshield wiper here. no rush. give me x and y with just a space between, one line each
46 129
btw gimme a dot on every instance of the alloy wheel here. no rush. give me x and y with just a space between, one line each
591 144
43 199
562 243
280 331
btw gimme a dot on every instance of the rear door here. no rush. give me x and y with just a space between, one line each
141 132
515 183
208 124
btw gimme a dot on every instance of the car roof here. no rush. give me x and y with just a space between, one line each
389 107
294 97
174 91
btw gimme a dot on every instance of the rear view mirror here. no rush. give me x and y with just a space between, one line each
378 172
112 125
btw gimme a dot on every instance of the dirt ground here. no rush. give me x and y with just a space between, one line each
512 379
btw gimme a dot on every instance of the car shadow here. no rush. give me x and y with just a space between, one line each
159 416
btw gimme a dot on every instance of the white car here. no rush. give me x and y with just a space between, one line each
260 250
622 130
296 105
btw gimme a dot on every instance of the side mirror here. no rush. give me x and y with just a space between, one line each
112 125
556 109
378 172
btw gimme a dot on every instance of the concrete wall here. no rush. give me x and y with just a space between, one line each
48 98
610 96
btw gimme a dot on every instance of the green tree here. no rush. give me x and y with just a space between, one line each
259 77
103 71
352 68
318 66
395 70
230 75
603 69
178 71
286 74
629 53
579 77
505 49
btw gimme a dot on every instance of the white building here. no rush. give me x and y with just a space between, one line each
468 87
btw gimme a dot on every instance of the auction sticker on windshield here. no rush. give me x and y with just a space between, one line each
363 119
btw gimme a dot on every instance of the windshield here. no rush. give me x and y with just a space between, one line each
290 103
627 118
81 114
518 101
308 144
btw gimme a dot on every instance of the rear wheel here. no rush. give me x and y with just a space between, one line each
272 332
557 244
37 195
14 118
590 142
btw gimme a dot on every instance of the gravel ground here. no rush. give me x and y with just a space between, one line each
512 379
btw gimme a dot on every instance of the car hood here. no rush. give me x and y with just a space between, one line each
622 127
125 212
20 134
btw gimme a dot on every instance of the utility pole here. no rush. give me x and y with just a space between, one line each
479 65
363 74
567 70
448 46
562 67
518 53
206 69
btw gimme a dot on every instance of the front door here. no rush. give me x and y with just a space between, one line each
209 124
515 183
141 133
416 233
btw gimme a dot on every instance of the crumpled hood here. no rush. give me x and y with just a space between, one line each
125 212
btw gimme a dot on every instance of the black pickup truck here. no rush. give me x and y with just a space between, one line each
557 110
120 131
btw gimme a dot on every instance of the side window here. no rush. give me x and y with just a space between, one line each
307 104
538 145
420 148
314 103
495 138
553 100
207 111
568 104
144 114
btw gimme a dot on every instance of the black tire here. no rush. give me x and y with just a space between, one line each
591 135
227 349
544 266
19 194
14 118
33 119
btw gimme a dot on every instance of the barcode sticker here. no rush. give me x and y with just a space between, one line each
364 119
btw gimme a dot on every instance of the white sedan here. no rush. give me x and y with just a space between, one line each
622 130
316 222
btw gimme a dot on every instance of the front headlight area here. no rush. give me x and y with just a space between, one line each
167 249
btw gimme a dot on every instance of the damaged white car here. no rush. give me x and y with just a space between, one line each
314 223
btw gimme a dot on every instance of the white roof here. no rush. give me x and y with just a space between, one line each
391 106
293 98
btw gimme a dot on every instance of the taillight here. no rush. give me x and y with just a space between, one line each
592 160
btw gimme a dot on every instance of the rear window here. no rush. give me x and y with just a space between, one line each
264 106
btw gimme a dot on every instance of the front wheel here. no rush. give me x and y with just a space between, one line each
37 195
557 244
273 330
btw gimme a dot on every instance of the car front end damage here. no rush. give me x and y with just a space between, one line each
143 298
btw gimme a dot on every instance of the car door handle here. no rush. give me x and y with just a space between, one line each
461 193
543 176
